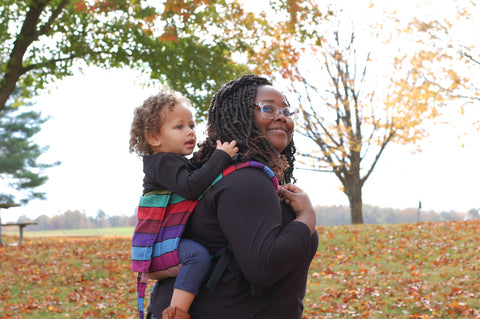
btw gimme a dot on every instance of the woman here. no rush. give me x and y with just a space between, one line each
272 242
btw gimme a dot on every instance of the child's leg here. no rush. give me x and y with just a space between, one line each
195 261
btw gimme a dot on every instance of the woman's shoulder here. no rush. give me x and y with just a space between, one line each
251 178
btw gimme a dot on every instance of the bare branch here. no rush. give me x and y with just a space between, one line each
470 57
315 169
384 144
314 114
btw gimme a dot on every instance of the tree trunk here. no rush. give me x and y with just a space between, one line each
14 67
356 203
353 189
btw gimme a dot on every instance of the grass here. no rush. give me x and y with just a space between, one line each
118 231
427 270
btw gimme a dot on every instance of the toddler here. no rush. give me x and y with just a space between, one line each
163 133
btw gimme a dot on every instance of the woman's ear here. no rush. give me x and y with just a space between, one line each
153 139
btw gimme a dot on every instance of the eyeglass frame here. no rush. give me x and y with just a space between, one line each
260 105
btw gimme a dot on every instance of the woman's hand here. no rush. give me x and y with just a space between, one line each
300 203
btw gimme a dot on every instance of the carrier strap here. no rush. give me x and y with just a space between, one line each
225 256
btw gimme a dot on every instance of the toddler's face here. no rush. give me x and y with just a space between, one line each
177 133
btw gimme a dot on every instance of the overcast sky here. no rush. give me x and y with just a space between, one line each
89 133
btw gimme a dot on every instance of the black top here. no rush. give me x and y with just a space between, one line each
175 173
270 251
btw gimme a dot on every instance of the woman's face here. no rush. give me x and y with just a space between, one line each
276 127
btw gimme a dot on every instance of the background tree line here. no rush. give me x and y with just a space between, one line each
340 215
326 216
78 220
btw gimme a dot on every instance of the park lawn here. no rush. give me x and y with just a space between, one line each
116 231
426 270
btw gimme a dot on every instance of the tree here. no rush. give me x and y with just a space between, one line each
42 222
75 220
473 214
457 57
20 171
188 45
351 116
101 220
41 40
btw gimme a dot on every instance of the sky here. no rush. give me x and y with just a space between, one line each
88 132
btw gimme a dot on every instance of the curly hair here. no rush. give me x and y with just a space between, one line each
230 117
148 118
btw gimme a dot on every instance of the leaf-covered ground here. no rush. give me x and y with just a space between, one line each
427 270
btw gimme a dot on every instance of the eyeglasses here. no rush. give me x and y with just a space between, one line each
270 111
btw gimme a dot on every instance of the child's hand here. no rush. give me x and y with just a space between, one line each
229 148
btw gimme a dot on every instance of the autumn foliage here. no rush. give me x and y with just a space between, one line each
422 270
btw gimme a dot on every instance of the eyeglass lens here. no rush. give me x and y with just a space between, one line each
270 111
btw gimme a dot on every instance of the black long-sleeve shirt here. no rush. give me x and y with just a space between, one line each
270 251
175 173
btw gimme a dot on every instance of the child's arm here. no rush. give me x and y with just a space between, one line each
198 180
172 172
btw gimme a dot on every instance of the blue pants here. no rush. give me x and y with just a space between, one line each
195 261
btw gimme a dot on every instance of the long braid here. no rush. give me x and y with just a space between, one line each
230 117
289 153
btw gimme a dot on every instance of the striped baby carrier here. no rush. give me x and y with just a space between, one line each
161 220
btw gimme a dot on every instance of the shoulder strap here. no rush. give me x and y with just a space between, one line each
241 165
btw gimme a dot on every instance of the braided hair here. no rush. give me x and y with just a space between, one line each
230 117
